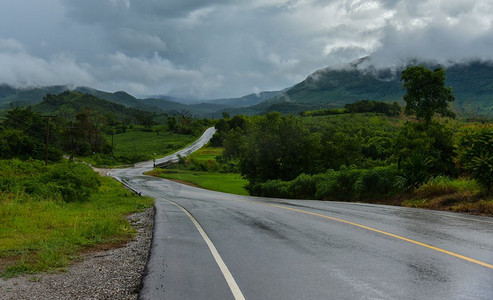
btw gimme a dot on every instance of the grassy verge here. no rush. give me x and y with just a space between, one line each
458 195
222 182
147 143
201 169
39 233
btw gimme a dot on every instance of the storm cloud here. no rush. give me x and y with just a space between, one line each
226 48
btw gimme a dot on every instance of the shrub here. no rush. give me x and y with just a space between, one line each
475 153
438 186
271 188
304 186
346 184
416 168
379 181
73 182
424 150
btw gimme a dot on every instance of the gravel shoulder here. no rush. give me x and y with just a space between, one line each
111 274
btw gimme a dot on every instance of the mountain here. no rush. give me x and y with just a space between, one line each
26 96
199 110
472 85
11 96
119 97
70 103
248 100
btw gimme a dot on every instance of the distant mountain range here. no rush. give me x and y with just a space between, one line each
472 85
20 97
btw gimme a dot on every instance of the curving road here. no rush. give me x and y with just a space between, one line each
211 245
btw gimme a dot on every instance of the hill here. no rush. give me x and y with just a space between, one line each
21 97
26 96
70 103
471 82
248 100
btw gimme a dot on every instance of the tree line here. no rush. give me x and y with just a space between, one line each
80 125
359 155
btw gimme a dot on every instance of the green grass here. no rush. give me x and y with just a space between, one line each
201 169
147 143
47 234
138 145
206 154
221 182
459 195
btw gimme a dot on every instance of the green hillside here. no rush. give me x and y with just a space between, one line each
70 103
26 96
119 97
22 97
472 85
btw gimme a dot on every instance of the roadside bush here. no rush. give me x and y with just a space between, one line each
475 153
271 188
304 186
349 183
73 182
425 150
339 185
443 185
379 181
416 169
68 182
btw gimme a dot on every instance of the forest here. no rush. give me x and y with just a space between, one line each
81 125
363 154
364 151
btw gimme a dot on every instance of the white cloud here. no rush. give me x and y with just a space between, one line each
20 68
11 45
141 41
197 17
224 48
147 74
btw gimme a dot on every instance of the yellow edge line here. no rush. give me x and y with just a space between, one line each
386 233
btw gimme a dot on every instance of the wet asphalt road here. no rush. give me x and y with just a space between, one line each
291 249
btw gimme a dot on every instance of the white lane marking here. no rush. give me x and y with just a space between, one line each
233 286
235 289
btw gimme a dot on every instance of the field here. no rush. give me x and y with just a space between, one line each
221 182
147 143
137 145
201 169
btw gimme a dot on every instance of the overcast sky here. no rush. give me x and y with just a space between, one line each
226 48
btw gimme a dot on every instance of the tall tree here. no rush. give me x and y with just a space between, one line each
426 93
279 147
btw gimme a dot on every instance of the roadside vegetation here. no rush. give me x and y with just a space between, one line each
51 213
202 169
416 156
366 152
99 132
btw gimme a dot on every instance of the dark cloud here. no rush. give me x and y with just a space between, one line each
223 48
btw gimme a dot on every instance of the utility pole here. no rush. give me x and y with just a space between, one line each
47 135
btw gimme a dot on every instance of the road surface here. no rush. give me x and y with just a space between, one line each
211 245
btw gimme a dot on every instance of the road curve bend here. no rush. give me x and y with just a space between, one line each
211 245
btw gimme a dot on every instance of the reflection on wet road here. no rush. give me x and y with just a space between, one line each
292 249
